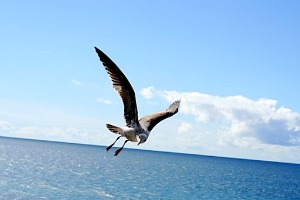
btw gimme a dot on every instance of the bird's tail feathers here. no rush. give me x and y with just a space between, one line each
114 129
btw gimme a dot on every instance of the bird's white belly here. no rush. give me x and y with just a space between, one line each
130 134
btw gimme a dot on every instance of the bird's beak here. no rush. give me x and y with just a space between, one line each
139 143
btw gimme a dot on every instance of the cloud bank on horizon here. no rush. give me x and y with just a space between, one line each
211 125
240 120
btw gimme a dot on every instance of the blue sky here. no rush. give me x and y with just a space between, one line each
234 64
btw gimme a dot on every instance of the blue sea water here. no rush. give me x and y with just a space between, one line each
31 169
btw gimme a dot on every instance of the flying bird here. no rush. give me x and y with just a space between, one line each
135 130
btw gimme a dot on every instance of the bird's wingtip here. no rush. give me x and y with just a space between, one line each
99 52
174 106
177 101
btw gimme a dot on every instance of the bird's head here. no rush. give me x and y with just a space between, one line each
142 138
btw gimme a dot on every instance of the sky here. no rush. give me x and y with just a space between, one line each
234 65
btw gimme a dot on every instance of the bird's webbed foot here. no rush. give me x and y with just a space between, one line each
110 146
119 150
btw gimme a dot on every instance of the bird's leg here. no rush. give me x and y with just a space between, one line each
119 150
110 146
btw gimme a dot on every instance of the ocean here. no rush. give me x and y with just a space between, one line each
31 169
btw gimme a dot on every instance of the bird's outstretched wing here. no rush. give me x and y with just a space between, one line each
122 86
149 121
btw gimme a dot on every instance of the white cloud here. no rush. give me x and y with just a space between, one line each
68 134
185 127
147 92
241 121
76 82
6 126
105 101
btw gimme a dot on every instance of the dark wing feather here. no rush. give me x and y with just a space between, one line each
122 86
149 121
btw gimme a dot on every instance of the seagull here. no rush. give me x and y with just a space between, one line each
135 130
